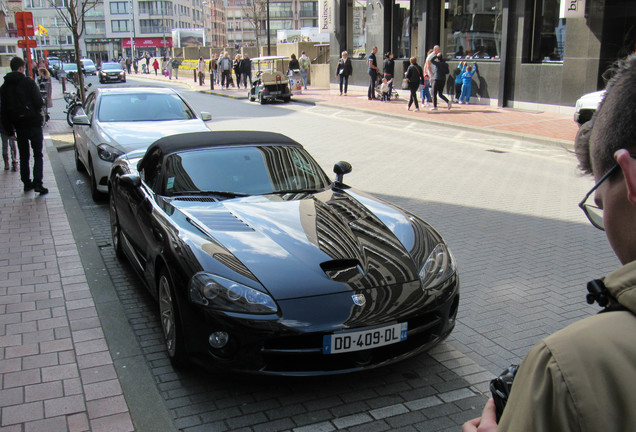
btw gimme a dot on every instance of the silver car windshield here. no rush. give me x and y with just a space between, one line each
243 171
131 107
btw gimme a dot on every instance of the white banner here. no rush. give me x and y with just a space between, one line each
326 16
572 9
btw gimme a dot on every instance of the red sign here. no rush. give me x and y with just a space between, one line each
148 42
24 22
27 43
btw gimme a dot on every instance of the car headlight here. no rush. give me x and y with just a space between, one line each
438 267
108 153
211 290
121 74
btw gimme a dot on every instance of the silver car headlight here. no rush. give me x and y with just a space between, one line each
211 290
108 153
438 267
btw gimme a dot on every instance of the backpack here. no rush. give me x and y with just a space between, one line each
304 62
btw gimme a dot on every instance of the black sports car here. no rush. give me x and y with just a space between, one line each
111 72
260 263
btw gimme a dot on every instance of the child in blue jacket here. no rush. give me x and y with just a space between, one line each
467 81
426 91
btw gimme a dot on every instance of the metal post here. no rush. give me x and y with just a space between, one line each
269 50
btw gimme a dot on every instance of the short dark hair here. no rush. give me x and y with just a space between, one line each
16 63
613 126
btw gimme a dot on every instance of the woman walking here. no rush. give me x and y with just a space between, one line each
414 76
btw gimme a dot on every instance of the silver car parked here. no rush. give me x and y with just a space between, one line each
118 120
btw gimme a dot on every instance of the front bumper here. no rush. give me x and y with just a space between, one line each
292 344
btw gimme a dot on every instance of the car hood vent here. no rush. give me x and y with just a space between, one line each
196 199
217 220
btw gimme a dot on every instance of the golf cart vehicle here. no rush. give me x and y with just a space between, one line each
270 84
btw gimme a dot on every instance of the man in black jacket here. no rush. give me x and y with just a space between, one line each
21 116
440 70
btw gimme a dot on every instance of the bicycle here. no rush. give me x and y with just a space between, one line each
73 104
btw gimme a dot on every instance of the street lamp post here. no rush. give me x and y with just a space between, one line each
163 28
269 50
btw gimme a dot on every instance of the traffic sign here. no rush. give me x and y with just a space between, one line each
24 22
27 43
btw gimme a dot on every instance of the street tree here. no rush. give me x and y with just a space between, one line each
73 13
255 14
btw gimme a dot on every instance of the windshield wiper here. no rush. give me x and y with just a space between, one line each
221 193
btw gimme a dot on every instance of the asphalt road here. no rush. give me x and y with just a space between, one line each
507 210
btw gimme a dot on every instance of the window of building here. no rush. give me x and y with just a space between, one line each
308 9
359 29
280 10
119 8
547 31
118 26
402 30
155 26
97 11
309 23
35 4
472 29
95 28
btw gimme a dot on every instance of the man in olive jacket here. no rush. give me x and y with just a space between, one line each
21 116
583 377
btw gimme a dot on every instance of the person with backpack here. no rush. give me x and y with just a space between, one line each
21 117
225 65
305 64
582 377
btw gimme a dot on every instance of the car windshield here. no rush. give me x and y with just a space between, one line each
131 107
69 67
111 66
243 170
88 63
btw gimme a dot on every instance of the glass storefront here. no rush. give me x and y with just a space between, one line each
472 29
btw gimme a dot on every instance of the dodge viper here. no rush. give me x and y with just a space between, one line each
260 263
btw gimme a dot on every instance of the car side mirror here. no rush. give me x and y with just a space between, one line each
82 120
206 116
341 168
130 180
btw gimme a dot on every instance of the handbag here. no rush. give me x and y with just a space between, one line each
405 83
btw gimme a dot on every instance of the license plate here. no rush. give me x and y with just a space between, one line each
274 93
349 341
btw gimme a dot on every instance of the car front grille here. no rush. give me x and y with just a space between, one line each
303 354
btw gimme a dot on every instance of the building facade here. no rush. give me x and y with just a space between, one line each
530 53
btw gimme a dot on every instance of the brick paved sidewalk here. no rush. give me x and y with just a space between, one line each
541 125
56 373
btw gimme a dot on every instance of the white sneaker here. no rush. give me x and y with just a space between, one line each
450 104
408 108
417 110
434 109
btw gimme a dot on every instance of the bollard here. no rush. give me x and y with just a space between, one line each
195 75
63 84
211 81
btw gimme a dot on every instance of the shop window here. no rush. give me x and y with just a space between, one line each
472 29
547 39
402 23
359 28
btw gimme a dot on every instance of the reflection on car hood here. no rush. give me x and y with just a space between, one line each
324 243
128 136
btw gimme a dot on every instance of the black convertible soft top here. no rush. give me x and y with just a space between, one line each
197 140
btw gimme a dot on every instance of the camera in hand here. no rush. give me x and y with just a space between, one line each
500 388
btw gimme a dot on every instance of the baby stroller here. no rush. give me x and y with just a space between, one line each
393 94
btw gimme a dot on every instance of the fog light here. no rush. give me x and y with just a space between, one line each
218 339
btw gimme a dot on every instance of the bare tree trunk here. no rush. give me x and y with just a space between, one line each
80 74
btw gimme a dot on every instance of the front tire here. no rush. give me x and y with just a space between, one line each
115 229
79 166
170 323
95 194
